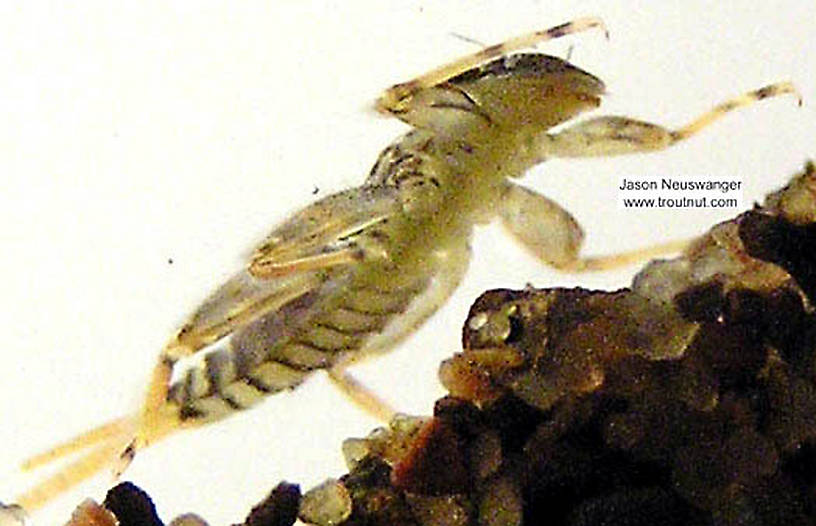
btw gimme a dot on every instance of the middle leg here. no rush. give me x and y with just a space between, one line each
551 234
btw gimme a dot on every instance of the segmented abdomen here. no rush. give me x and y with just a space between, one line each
280 349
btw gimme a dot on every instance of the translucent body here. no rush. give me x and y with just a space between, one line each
353 273
419 205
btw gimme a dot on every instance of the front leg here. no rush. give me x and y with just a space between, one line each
621 135
550 232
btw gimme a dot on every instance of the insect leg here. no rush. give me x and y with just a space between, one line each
551 233
622 135
389 101
540 225
359 394
746 99
554 236
622 259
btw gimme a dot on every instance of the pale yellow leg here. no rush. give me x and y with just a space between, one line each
612 135
551 234
746 99
622 259
361 395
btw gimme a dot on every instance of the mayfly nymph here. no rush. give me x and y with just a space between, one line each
357 271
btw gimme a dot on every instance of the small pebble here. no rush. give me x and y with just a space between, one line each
12 515
326 505
188 519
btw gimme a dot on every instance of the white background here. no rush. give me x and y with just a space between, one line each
183 131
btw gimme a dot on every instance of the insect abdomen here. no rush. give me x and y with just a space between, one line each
281 349
215 389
